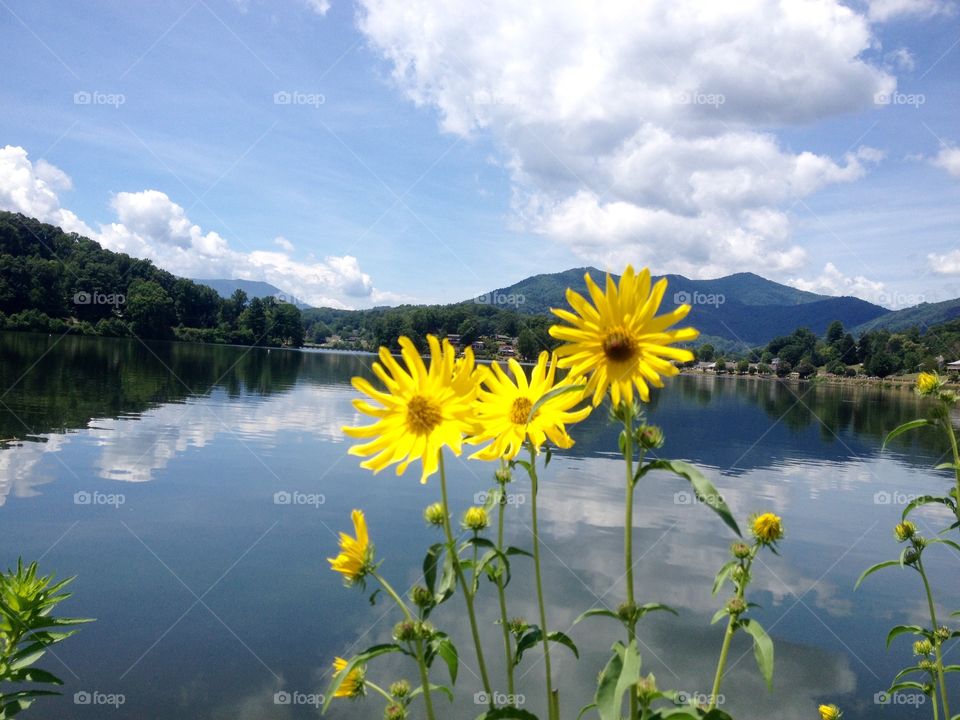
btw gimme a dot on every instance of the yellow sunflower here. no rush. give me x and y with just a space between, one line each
352 685
421 411
356 554
767 528
617 342
504 404
829 712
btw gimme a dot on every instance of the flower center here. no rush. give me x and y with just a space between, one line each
618 346
423 415
520 411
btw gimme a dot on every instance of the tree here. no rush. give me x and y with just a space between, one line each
284 326
706 352
254 320
743 366
835 333
527 344
150 310
806 369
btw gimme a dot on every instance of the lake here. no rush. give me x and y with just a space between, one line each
195 491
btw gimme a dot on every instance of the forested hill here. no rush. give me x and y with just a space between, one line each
52 281
743 308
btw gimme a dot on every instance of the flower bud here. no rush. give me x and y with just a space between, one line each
904 531
400 689
829 712
503 475
394 711
740 575
910 557
650 437
627 611
518 625
928 383
475 519
405 631
421 596
942 634
927 665
740 550
425 630
736 606
922 647
646 689
767 528
434 515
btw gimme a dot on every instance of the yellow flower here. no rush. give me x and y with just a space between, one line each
904 531
617 341
928 383
475 518
767 528
421 411
829 712
352 685
356 554
504 404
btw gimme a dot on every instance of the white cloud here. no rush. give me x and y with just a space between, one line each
884 10
151 225
949 159
31 188
632 131
320 7
947 263
833 282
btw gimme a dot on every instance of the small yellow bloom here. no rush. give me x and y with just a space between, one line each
504 404
356 554
422 410
616 342
928 383
352 685
435 514
829 712
475 518
767 528
904 531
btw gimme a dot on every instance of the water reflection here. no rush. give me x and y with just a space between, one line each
218 431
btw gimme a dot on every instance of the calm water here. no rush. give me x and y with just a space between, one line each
211 597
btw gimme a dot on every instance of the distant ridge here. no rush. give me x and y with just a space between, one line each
253 288
743 308
923 316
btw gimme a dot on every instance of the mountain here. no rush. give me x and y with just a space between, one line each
253 288
923 316
743 309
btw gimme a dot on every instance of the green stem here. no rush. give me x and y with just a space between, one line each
421 657
501 593
458 570
933 696
552 708
379 689
952 436
936 642
628 539
728 635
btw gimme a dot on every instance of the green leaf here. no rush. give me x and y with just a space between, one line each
653 607
924 500
703 488
907 671
518 551
762 648
722 574
618 677
430 562
433 688
901 629
507 712
719 615
444 648
584 710
873 569
597 612
906 427
485 560
944 541
947 466
357 660
905 685
559 637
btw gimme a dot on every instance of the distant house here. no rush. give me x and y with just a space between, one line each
454 339
507 351
477 345
775 363
953 366
706 367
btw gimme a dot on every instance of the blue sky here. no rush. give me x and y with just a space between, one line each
431 152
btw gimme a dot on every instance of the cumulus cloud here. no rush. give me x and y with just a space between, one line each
31 188
150 225
320 7
947 263
949 159
632 131
884 10
833 282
